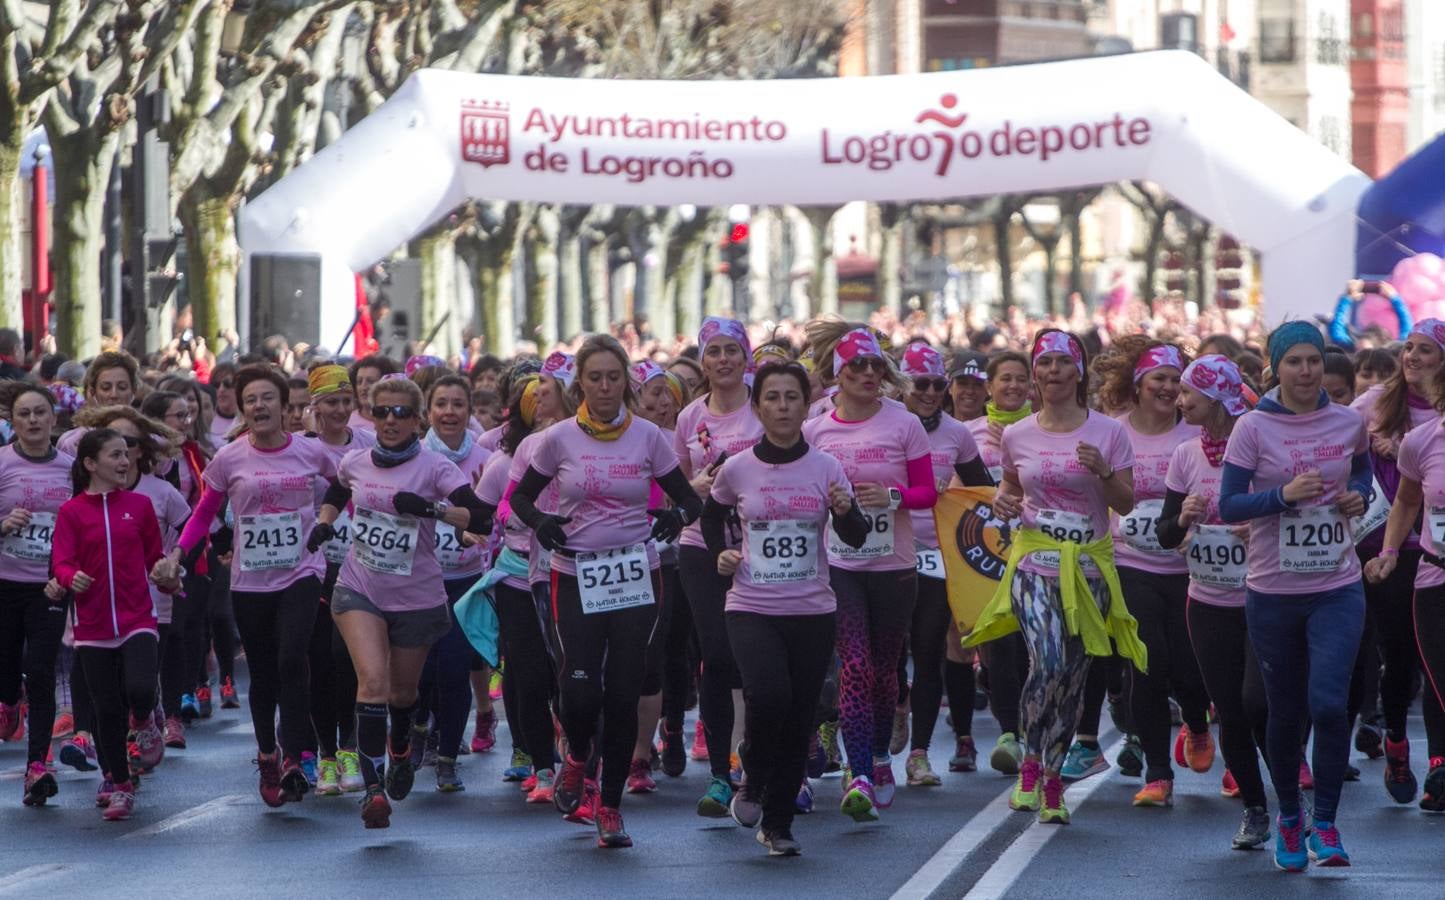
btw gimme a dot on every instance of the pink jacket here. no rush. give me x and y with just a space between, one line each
115 539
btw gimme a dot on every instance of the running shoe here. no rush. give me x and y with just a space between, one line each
699 742
10 721
1324 843
1351 773
64 725
1026 794
1083 761
568 789
920 773
610 833
884 787
674 754
294 783
1159 792
416 746
898 742
448 781
102 793
804 802
520 768
1289 845
203 701
980 699
174 734
190 707
121 803
1399 780
1433 800
1052 810
1179 737
746 811
1007 755
1306 777
150 746
375 808
735 769
229 698
714 803
859 802
586 811
348 772
1198 748
1253 829
779 842
484 737
309 763
1369 741
541 791
39 785
269 767
528 783
1228 787
328 782
965 755
832 753
494 685
1131 759
639 778
400 775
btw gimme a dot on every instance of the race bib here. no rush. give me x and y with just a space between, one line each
782 551
1216 557
1435 521
1140 527
335 549
1313 539
33 541
449 549
880 538
269 541
929 564
1375 515
614 579
383 543
1062 525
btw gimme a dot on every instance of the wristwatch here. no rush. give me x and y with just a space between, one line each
439 509
895 498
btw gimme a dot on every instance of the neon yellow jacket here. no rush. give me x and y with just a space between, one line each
1081 615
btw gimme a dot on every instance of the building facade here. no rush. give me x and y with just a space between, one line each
1379 78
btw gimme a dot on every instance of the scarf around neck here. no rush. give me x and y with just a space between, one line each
603 431
930 423
998 416
388 458
440 446
1213 449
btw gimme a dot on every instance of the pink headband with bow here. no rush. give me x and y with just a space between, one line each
856 343
561 366
1059 342
922 361
1217 378
1160 357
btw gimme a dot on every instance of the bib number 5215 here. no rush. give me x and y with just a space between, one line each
614 579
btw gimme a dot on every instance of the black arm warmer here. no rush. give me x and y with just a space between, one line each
481 512
337 495
524 497
974 473
1168 531
714 521
853 527
676 485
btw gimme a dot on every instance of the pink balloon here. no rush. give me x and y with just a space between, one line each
1420 281
1376 310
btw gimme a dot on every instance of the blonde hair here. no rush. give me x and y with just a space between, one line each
400 386
823 335
604 343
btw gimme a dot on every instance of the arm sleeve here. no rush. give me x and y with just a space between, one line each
1168 531
974 473
1237 504
198 526
676 485
853 527
524 497
337 495
482 512
1340 323
714 518
920 492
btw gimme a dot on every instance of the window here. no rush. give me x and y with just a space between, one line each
1276 40
1330 49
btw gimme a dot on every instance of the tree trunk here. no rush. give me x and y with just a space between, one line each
823 282
649 250
493 273
437 252
1002 223
86 160
213 259
11 246
599 284
541 289
1051 287
1151 257
569 279
1074 223
892 217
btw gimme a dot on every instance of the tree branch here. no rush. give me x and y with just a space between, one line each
56 66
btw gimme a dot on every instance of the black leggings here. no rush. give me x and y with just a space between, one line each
523 641
928 641
182 653
445 689
602 657
1159 603
1220 637
657 650
1390 629
1007 662
679 654
30 630
333 687
783 660
707 595
1430 633
218 625
1107 676
276 631
122 685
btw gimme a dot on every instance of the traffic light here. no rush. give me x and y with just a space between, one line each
736 252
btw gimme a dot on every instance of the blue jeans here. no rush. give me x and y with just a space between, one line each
1306 646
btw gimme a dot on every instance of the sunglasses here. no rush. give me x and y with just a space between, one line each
927 384
399 411
864 363
227 383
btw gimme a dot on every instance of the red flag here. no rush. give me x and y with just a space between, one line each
1226 33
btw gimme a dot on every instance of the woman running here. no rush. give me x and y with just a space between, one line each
885 452
780 607
719 424
34 482
1065 468
1211 399
605 581
107 546
1296 469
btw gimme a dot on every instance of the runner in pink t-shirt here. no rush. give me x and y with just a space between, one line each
604 582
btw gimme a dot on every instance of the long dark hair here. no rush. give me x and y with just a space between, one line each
89 448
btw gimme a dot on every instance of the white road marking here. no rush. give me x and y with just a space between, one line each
186 817
24 880
952 854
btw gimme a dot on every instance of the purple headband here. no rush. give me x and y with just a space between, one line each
714 327
645 371
922 361
1162 356
1217 378
1059 342
1434 329
856 343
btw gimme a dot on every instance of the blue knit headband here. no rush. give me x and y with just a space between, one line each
1288 335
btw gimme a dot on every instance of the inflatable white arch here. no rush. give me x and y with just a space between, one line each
1167 117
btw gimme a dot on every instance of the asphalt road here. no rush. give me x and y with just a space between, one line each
201 828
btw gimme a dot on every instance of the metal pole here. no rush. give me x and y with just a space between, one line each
114 244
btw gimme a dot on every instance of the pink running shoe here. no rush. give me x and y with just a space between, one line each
485 737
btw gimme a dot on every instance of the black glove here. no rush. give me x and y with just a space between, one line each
320 534
409 504
667 524
550 534
223 541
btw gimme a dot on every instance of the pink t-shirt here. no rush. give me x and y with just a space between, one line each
172 511
990 450
516 536
68 442
1152 453
1366 405
220 427
1056 484
41 487
397 570
539 559
491 439
951 444
1191 473
1277 447
876 450
1422 459
702 436
359 440
781 505
459 561
604 485
277 490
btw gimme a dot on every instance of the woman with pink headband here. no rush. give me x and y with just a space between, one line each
1064 469
1211 397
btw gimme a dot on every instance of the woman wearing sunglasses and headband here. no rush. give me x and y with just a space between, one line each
1065 468
886 454
939 663
605 580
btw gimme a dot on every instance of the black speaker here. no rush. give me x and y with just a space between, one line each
286 297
